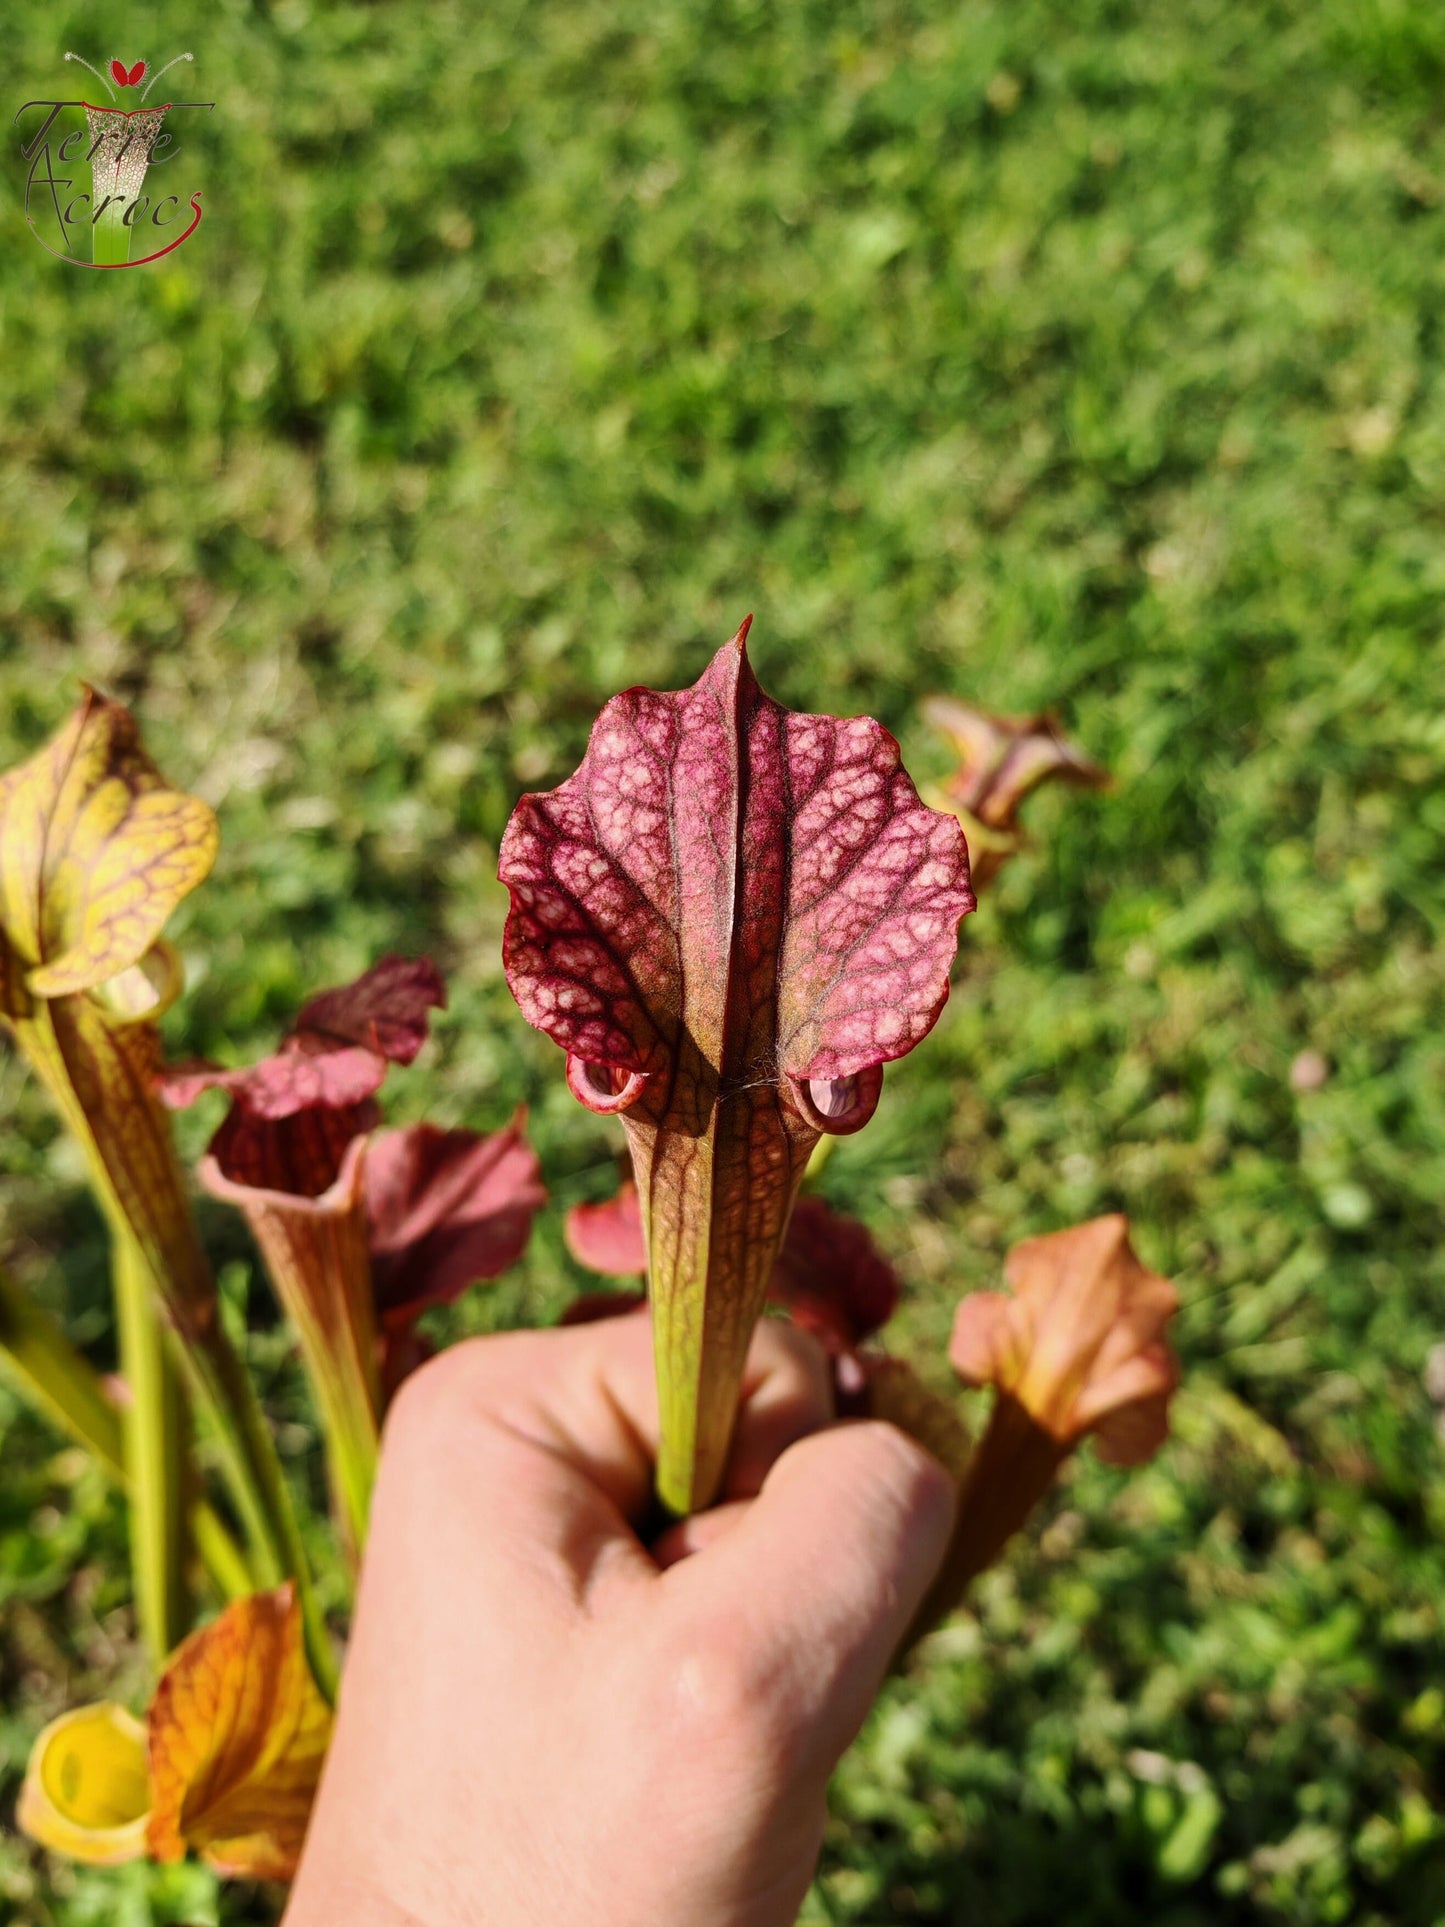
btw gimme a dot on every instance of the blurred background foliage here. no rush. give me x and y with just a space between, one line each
1085 355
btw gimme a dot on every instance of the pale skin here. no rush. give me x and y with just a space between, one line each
542 1717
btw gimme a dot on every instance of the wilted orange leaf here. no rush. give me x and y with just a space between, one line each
238 1733
96 850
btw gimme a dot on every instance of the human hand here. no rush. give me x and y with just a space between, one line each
542 1720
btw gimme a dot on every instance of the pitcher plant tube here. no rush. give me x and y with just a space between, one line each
1077 1347
96 851
829 1275
730 917
290 1155
359 1234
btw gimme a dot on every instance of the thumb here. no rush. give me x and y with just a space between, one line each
829 1566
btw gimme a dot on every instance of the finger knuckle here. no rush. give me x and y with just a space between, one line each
448 1390
720 1695
905 1472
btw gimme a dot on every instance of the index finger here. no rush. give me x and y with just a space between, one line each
534 1451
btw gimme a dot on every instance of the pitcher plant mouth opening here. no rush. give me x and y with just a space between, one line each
225 1764
730 917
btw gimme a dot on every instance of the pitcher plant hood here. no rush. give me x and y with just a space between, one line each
96 851
730 917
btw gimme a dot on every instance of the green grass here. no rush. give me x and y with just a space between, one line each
1078 354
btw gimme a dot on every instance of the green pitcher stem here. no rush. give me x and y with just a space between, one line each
322 1273
223 1390
715 1188
101 1076
111 237
153 1432
1011 1471
219 1553
54 1377
316 1254
348 1418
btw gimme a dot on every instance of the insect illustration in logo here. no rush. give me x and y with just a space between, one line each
122 142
